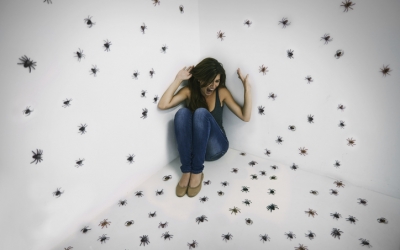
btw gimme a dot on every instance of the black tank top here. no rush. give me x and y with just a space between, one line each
217 112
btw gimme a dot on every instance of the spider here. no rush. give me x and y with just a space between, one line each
279 140
351 142
156 2
89 22
245 189
339 53
155 99
143 94
234 210
234 170
334 192
152 214
290 53
243 153
207 182
103 238
68 248
337 164
79 54
220 193
94 70
163 225
272 206
49 1
264 237
203 199
139 193
220 35
385 71
309 79
104 223
252 163
166 235
79 163
310 118
327 38
263 69
290 235
248 221
27 63
66 103
365 242
273 96
181 8
382 220
341 107
267 152
284 22
272 191
227 237
311 212
254 177
144 240
274 167
164 48
135 75
27 111
273 177
314 192
201 219
152 72
159 192
301 247
341 124
130 158
336 215
144 113
143 27
247 22
292 127
347 4
58 193
193 244
129 222
336 233
362 201
85 229
224 183
303 151
247 202
261 110
339 184
82 129
37 156
107 45
294 166
167 177
310 235
263 173
352 219
122 203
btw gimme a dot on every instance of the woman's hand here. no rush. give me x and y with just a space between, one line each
245 80
184 74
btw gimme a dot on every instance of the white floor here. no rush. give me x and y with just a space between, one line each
292 196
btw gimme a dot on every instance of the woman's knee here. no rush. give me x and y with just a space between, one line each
182 112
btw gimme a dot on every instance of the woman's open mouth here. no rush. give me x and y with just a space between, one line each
209 91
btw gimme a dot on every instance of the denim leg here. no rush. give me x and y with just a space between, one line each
183 133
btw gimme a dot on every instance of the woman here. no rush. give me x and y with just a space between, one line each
198 126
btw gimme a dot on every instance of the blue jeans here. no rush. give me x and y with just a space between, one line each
199 138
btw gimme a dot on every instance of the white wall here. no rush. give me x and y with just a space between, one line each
368 35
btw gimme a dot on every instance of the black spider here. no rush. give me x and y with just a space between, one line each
227 237
27 111
166 235
129 222
248 221
263 69
85 229
310 118
339 53
164 48
167 177
207 182
334 192
193 244
267 152
89 22
336 233
159 192
352 219
139 193
290 235
261 110
347 4
181 8
155 99
301 247
314 192
273 177
273 96
68 248
224 183
254 177
336 215
107 45
247 22
122 203
234 170
144 240
382 220
152 72
271 191
48 1
310 235
365 242
220 193
152 214
156 2
203 199
252 163
79 54
58 193
265 237
143 94
247 202
274 167
94 70
341 107
284 22
337 164
309 79
245 189
135 75
341 124
130 158
27 63
143 27
385 71
263 173
37 156
201 219
79 163
294 166
103 238
144 113
272 206
290 53
82 129
66 103
292 127
220 35
243 153
279 140
235 210
163 224
362 201
327 38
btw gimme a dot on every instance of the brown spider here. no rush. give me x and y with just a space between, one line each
156 2
339 53
351 142
143 27
220 35
104 223
284 22
89 22
303 151
247 22
327 38
341 107
311 212
163 225
234 210
181 8
309 79
301 247
385 71
339 184
193 244
263 69
167 177
27 63
243 153
347 4
129 222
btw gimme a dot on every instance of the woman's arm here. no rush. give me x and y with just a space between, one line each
246 110
168 94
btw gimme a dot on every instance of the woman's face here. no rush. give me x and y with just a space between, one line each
209 90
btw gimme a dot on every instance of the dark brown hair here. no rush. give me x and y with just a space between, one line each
206 71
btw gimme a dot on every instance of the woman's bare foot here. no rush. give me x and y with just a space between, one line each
195 180
184 180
